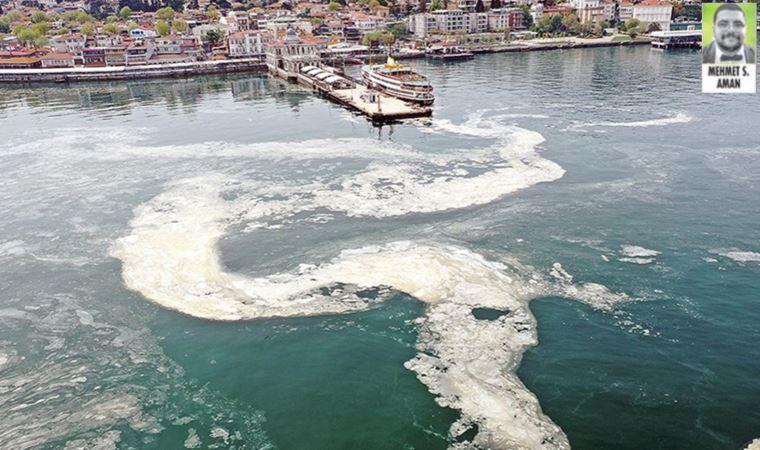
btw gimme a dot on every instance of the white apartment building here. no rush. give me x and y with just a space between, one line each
654 11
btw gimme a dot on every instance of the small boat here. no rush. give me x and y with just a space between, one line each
400 81
408 53
448 53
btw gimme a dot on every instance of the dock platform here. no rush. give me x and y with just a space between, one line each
376 105
355 95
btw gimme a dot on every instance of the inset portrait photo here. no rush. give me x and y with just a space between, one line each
729 39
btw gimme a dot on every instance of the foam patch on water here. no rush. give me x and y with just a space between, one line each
739 255
677 118
754 445
171 258
635 254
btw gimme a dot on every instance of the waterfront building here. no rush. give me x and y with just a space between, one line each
247 44
20 62
286 57
116 56
57 60
138 52
654 11
94 57
175 48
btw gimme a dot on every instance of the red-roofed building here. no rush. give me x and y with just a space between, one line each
20 62
68 43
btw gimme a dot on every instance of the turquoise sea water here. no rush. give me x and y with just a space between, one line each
659 200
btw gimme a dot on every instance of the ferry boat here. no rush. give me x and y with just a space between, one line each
449 53
399 81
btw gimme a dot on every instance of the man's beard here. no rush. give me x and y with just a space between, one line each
730 48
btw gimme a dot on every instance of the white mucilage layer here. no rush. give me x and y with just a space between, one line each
171 258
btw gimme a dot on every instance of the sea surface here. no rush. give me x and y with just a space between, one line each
566 255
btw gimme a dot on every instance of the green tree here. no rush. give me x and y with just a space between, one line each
179 25
162 28
435 5
15 16
374 5
398 30
166 14
5 24
333 6
40 41
654 26
24 34
131 25
571 24
214 36
112 19
383 37
41 28
544 24
212 12
39 16
87 29
632 27
125 12
111 28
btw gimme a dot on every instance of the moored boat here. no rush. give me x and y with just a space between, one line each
400 81
448 53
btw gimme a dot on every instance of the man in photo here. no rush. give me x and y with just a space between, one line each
728 45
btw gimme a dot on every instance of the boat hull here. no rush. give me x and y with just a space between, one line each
392 88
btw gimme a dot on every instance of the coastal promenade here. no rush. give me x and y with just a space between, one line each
555 44
175 70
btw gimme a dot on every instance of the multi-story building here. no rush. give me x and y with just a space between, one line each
138 52
68 43
654 12
237 21
503 18
460 22
247 44
625 11
57 60
366 23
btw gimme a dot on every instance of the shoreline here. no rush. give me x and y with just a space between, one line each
249 65
529 46
118 73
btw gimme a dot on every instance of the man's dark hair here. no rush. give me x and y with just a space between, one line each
727 7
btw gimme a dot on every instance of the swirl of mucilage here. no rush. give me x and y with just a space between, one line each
170 257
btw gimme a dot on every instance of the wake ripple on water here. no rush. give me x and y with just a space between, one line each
170 256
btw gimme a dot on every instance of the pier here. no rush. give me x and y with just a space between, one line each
677 39
354 95
116 73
